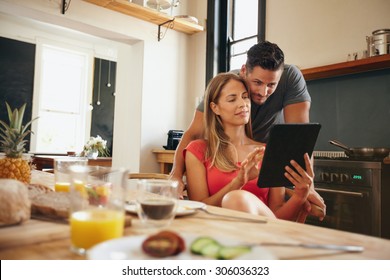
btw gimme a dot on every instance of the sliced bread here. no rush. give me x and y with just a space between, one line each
51 204
37 189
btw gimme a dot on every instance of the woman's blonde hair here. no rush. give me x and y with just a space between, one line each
217 141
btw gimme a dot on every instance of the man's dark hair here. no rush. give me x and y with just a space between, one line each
266 55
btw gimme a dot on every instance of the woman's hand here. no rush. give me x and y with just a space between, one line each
301 179
249 168
181 185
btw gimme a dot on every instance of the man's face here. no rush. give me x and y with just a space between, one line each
261 82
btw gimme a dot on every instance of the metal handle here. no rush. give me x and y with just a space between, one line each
340 145
356 194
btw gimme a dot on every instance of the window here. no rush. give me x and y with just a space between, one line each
234 26
243 30
62 100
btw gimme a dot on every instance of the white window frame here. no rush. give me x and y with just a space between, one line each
238 45
85 120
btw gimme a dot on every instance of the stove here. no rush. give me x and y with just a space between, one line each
356 193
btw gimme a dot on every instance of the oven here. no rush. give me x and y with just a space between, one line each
356 194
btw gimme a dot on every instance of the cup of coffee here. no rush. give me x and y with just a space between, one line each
97 198
61 171
156 202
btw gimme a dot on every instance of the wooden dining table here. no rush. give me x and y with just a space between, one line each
46 240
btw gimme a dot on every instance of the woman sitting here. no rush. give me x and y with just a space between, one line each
222 169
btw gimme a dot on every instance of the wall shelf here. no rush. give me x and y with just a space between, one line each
346 68
147 14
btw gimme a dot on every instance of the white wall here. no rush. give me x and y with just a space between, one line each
321 32
155 80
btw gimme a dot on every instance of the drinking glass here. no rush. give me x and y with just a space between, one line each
156 202
61 171
97 205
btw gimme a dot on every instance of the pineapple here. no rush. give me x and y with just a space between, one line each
13 166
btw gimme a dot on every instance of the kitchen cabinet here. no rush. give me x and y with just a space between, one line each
346 68
150 15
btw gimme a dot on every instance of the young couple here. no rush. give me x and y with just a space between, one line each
223 165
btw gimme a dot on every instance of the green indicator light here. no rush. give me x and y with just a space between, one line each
357 177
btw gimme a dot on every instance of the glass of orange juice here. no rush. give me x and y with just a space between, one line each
97 205
61 171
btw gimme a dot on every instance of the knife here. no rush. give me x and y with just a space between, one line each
347 248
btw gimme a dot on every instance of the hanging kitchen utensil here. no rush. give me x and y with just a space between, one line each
100 75
109 74
362 152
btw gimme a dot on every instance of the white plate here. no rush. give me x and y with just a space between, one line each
129 248
184 207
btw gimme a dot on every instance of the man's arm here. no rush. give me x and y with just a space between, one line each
194 131
297 112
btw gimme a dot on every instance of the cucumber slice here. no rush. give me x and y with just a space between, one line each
211 250
232 252
199 243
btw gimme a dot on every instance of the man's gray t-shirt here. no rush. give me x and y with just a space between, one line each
291 89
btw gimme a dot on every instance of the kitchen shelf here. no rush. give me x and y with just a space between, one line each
345 68
150 15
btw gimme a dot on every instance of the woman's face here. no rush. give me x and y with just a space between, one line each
233 105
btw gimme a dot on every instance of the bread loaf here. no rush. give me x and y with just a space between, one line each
14 202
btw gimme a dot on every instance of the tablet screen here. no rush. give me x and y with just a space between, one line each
286 142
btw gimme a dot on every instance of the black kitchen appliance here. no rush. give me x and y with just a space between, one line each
356 193
174 137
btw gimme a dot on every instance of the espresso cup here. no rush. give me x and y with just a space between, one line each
156 202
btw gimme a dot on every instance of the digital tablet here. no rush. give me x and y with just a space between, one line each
286 142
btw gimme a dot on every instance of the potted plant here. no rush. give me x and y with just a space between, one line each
95 147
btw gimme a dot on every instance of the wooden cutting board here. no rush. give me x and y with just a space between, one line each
32 232
36 231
